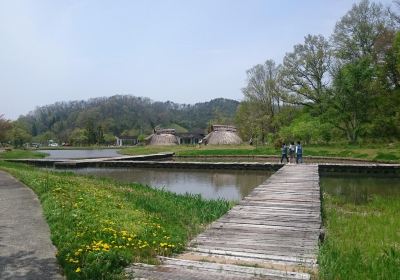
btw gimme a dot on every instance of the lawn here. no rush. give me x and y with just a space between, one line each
362 241
378 153
101 226
19 154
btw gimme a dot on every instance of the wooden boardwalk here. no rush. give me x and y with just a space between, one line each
271 234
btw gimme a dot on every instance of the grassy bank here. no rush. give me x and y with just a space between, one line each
100 226
385 153
362 241
18 154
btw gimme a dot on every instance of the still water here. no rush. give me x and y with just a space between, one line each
211 184
75 154
359 189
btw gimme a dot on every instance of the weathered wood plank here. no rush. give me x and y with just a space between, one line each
287 259
276 226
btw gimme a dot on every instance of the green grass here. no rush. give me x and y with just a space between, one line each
18 154
100 226
362 241
383 153
387 156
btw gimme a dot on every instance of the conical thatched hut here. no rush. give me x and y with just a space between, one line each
223 135
162 137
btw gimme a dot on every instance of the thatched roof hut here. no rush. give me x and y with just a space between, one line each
223 135
162 137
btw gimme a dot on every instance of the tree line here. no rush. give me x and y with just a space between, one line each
99 120
343 87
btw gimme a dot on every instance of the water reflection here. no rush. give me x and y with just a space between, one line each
359 189
211 184
75 154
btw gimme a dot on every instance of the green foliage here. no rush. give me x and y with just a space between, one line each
19 135
178 128
349 86
306 128
353 97
5 127
304 72
361 240
122 115
368 152
21 154
387 156
100 226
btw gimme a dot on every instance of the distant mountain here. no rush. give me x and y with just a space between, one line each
126 115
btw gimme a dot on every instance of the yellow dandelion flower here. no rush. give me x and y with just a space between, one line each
78 270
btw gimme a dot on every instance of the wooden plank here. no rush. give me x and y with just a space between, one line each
287 259
258 250
277 225
267 247
253 271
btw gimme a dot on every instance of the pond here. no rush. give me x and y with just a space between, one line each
210 184
76 154
359 189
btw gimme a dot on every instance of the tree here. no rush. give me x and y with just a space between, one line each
263 96
305 70
356 33
5 127
90 132
250 120
78 137
353 98
100 135
20 135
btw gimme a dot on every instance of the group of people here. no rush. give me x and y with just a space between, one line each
294 150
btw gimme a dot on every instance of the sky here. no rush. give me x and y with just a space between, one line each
184 51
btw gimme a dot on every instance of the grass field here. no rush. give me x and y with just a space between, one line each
362 241
378 153
100 226
383 153
18 154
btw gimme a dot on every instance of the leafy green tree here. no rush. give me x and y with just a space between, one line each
109 139
78 137
250 121
19 135
307 129
90 132
350 106
305 71
100 135
44 137
263 99
5 127
357 31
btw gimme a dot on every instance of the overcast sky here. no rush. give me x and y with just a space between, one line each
183 51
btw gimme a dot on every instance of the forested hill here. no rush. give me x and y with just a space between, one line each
124 115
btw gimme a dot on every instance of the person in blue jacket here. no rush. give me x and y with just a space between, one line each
299 153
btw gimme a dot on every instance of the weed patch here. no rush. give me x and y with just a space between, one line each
362 241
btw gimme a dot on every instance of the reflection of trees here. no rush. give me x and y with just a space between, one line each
359 190
213 183
244 182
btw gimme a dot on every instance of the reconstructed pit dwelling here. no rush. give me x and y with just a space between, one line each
219 135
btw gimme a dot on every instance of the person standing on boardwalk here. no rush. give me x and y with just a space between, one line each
284 153
299 153
292 149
